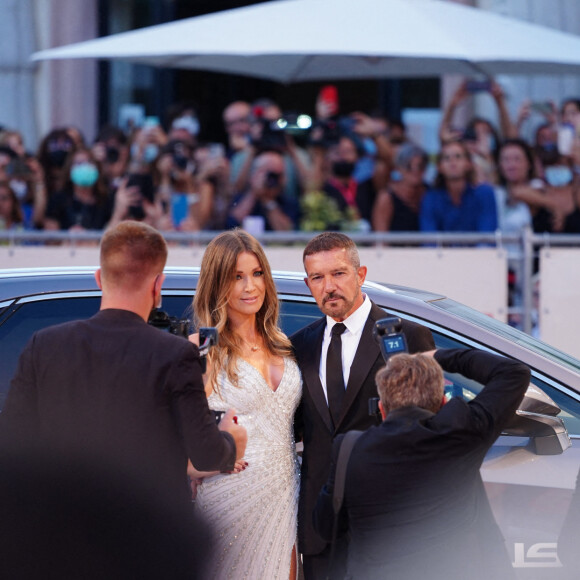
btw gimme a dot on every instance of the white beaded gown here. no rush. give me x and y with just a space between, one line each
254 512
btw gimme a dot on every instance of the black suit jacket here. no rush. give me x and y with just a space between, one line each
313 421
121 392
414 501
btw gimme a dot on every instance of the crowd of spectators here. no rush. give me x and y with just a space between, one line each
277 171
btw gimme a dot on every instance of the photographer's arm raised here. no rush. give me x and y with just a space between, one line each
227 423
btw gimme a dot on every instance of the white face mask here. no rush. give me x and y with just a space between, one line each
188 123
20 188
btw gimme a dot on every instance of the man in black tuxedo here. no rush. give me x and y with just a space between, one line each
414 501
116 390
334 276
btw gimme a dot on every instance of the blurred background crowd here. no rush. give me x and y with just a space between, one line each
355 171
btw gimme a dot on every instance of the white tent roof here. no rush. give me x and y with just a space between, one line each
299 40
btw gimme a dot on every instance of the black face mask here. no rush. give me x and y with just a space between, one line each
57 158
343 168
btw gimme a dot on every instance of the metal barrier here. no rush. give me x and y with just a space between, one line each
522 249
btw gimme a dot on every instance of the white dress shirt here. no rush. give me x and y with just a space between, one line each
350 339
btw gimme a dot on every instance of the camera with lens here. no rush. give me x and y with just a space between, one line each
178 326
272 179
208 337
387 332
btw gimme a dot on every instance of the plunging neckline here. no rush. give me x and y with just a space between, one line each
264 378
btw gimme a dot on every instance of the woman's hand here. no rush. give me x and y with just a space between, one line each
239 466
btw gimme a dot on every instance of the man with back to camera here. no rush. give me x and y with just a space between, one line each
334 276
117 389
414 501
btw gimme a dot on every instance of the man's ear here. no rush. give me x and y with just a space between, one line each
98 279
159 283
362 274
306 282
157 290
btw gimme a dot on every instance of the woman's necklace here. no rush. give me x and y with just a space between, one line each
253 347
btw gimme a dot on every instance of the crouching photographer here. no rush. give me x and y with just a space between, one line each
409 491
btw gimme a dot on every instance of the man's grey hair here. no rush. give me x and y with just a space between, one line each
332 241
411 380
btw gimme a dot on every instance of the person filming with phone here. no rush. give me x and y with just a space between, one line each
414 504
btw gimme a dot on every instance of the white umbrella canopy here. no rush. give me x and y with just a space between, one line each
306 40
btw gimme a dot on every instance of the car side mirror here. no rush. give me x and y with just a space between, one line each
536 401
536 418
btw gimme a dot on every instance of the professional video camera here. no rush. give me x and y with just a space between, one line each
387 332
272 134
208 337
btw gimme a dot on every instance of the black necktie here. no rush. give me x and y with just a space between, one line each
334 376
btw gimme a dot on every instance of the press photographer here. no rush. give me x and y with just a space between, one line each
414 504
263 206
116 391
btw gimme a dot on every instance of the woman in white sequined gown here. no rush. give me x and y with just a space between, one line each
252 371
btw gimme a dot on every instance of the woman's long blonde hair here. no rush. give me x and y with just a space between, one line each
217 276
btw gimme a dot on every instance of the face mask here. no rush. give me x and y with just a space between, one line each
558 175
188 123
150 153
57 158
19 188
84 175
343 168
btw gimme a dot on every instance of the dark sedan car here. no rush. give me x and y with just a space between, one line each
530 473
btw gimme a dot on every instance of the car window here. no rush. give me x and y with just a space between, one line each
295 315
23 321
